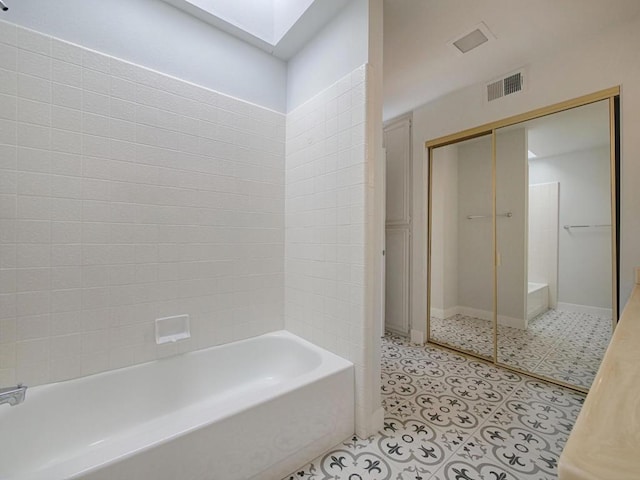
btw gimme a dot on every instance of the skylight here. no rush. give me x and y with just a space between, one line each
279 27
268 20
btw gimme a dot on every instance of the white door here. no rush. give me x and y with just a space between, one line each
397 142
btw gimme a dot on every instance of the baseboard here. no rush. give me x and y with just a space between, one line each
483 315
475 312
446 313
597 311
538 311
512 322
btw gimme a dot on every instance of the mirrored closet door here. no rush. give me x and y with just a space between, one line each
523 240
555 308
461 252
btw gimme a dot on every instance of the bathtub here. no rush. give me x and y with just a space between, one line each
253 409
537 299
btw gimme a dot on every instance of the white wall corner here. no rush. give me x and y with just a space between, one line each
371 425
417 337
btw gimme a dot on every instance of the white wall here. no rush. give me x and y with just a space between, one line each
127 195
607 59
340 47
512 188
584 264
326 223
156 35
334 142
444 243
475 237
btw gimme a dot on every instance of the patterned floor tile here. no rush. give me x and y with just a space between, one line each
566 346
449 417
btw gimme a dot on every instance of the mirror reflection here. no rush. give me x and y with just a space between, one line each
549 240
555 255
461 287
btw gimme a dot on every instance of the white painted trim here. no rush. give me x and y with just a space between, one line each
513 322
537 311
475 313
446 313
572 307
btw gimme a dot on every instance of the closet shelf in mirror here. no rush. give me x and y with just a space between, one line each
506 214
569 227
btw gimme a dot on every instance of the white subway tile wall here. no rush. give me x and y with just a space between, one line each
127 195
326 225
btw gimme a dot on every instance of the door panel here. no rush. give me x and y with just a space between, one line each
397 142
397 266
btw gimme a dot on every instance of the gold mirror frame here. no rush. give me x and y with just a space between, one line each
611 95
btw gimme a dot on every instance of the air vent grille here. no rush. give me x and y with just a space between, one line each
513 83
505 86
495 90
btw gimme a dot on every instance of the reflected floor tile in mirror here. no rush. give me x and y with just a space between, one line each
467 333
567 346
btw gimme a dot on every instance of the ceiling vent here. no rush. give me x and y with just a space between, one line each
471 39
507 85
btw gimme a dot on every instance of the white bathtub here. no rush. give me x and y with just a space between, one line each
254 409
537 299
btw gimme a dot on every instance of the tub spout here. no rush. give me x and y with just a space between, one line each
13 395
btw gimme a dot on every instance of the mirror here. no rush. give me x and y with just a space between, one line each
461 259
554 255
522 245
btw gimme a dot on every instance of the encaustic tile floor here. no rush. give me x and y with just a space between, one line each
567 346
450 417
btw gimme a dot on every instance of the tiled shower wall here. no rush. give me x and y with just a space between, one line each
127 195
326 223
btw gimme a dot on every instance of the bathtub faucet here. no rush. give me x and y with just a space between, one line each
13 395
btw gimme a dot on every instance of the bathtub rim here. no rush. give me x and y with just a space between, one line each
533 287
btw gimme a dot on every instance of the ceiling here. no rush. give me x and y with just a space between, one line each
573 130
420 66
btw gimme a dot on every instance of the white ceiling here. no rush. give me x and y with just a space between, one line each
419 66
573 130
